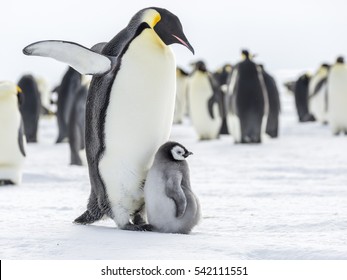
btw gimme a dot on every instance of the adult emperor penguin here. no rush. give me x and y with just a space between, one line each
12 140
248 105
70 84
301 98
181 95
274 104
222 77
337 91
318 94
31 107
171 205
76 124
205 103
126 121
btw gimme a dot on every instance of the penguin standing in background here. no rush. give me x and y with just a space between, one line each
45 96
70 83
290 87
31 107
274 104
248 102
171 205
337 91
301 98
222 77
12 140
318 94
205 103
76 124
181 95
126 121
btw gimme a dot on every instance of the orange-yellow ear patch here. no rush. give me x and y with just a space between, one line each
19 89
156 19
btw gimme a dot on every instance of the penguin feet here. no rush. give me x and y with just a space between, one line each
143 227
6 182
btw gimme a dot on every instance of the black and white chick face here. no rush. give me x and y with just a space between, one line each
180 153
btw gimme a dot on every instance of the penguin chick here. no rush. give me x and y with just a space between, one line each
171 205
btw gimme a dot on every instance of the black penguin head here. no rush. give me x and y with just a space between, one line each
166 25
340 59
325 65
199 66
174 151
245 54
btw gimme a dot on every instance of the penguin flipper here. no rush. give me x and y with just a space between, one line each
174 190
21 138
82 59
210 107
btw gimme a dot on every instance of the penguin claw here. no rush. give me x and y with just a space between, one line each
144 227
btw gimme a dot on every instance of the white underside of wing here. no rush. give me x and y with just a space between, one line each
78 57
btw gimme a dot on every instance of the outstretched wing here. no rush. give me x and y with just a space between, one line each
174 190
82 59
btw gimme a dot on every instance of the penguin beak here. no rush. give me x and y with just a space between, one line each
184 43
187 154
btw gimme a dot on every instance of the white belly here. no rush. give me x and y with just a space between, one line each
139 118
200 92
337 89
160 208
11 159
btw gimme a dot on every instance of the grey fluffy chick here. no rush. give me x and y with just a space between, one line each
171 205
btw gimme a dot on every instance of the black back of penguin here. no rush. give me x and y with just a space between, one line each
301 98
77 125
222 78
30 106
70 83
274 104
248 101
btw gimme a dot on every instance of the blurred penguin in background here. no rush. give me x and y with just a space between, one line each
290 87
12 140
77 124
337 92
31 107
222 77
181 95
318 94
205 103
70 83
301 98
274 104
45 96
248 101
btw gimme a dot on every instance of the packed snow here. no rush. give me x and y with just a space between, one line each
283 199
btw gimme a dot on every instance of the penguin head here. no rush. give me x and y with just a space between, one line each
173 151
340 59
167 26
199 66
8 88
245 54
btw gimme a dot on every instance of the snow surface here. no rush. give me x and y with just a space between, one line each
284 199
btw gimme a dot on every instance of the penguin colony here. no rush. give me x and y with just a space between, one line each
322 96
146 186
